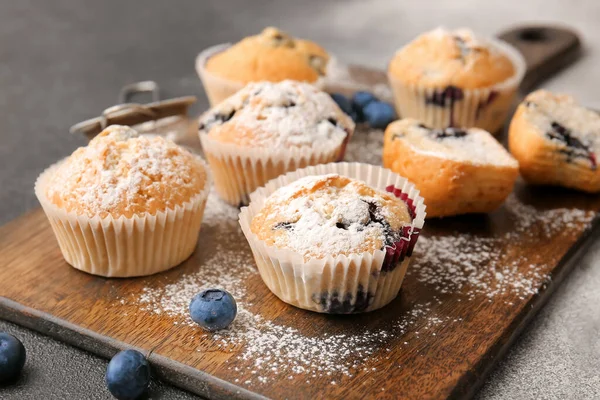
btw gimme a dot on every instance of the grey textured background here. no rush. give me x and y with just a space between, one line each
63 61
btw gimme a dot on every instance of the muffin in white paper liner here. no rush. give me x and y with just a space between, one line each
344 284
125 247
218 88
238 171
439 107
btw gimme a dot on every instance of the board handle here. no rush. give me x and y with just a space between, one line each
546 49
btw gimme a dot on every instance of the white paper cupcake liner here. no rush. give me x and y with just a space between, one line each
238 171
218 88
439 107
125 247
344 284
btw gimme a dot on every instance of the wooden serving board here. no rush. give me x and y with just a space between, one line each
474 283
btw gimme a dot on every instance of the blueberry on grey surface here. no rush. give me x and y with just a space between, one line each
449 133
12 357
128 375
361 99
575 147
379 114
213 309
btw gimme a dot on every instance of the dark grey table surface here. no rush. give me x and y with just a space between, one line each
64 61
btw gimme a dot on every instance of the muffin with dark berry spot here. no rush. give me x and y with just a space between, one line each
556 141
458 171
268 129
453 78
324 240
272 55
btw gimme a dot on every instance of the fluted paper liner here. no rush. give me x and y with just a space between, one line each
238 171
486 108
344 284
125 247
218 88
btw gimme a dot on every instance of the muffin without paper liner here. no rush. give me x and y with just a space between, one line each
125 205
458 171
348 282
556 141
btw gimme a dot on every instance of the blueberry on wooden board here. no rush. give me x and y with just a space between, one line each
213 309
344 104
12 357
361 99
128 375
379 114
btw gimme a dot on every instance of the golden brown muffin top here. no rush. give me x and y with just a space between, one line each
473 145
330 215
274 115
273 56
120 173
451 58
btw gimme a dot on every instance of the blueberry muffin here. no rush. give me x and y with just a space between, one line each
457 171
272 56
556 141
453 78
331 243
125 205
268 129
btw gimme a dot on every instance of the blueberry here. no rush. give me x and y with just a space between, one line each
361 99
342 102
128 375
213 309
379 114
357 113
12 357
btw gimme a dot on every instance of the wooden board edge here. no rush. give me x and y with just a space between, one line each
472 381
177 374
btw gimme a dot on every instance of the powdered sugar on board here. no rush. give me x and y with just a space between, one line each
465 266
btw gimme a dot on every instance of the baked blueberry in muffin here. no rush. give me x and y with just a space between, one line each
457 170
267 129
352 242
456 78
556 141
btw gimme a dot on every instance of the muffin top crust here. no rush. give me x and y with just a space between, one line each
273 56
330 215
473 145
120 173
451 58
283 114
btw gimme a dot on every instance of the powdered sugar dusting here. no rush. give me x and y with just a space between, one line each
473 145
462 265
120 172
287 113
330 215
